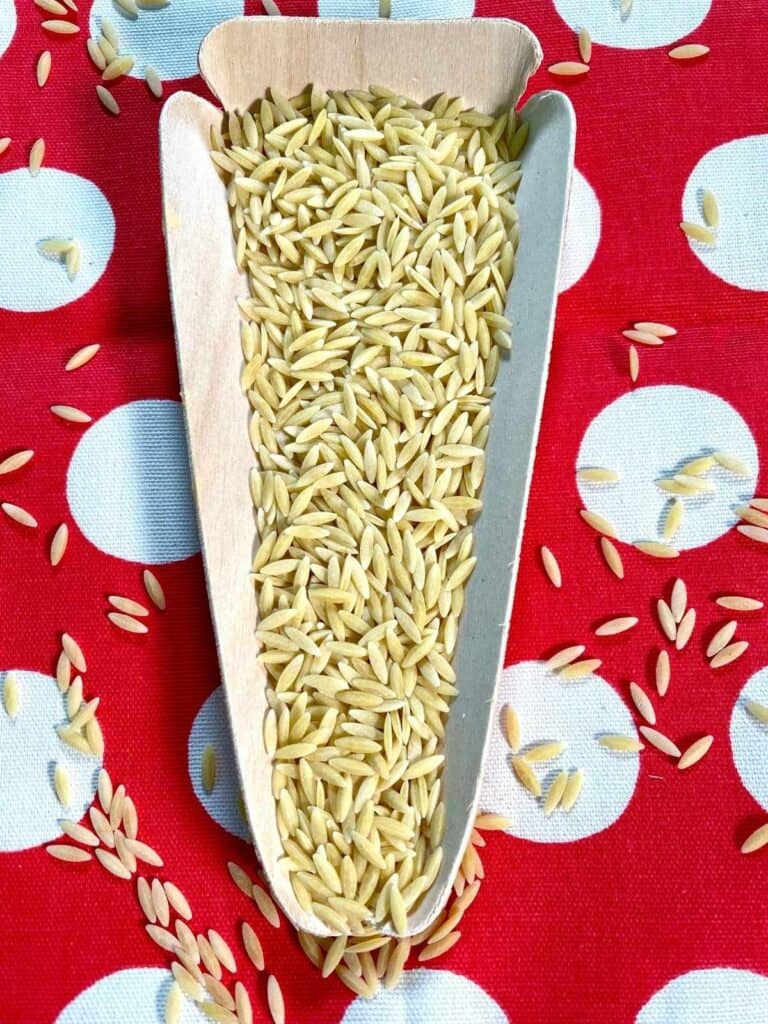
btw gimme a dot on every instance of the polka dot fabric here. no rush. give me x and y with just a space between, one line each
636 906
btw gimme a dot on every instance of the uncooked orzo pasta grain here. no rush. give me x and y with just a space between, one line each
697 233
275 1000
710 209
43 68
634 364
689 51
621 744
551 567
16 461
612 557
11 695
644 338
572 791
756 840
107 100
127 623
154 589
693 754
652 327
564 657
580 669
585 45
19 514
154 82
69 413
60 27
662 673
379 239
568 68
208 768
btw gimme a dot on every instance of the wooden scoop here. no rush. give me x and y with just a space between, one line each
488 62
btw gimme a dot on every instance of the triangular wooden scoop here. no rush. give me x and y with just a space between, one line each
488 62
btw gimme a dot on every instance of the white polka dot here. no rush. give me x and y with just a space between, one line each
54 204
718 995
422 995
29 750
168 39
648 25
128 484
404 9
651 433
7 24
749 739
582 232
576 713
133 996
211 728
736 173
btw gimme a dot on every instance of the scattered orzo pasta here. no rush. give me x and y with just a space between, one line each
580 669
70 414
564 657
685 629
572 790
16 461
651 327
663 673
208 768
154 590
642 702
721 638
107 100
688 51
644 338
656 549
36 156
59 544
621 744
61 27
659 740
728 654
275 1000
710 209
612 627
512 728
757 710
153 81
612 557
568 68
127 605
127 623
551 567
598 475
19 514
81 357
43 68
599 523
756 841
695 752
379 239
697 232
585 45
11 695
634 364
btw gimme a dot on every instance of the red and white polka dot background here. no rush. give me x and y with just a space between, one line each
637 905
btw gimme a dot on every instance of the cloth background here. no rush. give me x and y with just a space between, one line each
638 905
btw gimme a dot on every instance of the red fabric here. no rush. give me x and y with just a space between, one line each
579 932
